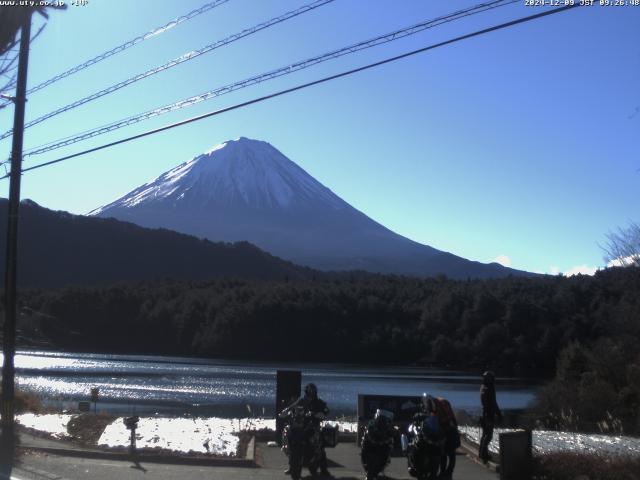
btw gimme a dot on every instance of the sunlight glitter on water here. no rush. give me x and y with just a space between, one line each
217 387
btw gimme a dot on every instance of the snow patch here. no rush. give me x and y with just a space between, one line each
53 424
547 441
213 436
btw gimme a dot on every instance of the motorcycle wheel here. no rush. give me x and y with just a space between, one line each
373 469
314 463
431 468
295 467
312 459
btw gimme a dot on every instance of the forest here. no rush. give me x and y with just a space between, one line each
513 325
583 331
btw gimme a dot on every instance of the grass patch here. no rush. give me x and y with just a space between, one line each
87 427
26 402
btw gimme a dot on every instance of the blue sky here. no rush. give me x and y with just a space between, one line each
521 144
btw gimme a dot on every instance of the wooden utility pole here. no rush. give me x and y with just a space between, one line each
9 341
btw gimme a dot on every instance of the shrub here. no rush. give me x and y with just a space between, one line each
595 389
26 402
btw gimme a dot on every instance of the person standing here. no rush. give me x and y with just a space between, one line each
449 425
490 412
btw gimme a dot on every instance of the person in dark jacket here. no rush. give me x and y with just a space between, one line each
490 411
449 426
318 410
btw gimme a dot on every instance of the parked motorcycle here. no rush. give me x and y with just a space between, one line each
377 444
423 445
300 441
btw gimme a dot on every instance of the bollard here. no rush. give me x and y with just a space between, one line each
95 396
515 455
132 423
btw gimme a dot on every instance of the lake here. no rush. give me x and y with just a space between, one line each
177 385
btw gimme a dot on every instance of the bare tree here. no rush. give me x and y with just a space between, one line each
623 246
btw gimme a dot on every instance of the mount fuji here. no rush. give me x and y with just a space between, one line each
247 190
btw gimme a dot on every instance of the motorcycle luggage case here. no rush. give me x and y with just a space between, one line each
329 436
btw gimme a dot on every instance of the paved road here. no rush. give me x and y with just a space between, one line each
343 464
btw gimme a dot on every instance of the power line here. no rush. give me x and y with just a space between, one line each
305 85
129 43
176 61
286 70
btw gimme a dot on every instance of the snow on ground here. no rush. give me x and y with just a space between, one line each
547 441
201 435
53 424
344 426
213 436
218 436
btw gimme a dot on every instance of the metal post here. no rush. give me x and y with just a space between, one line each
9 346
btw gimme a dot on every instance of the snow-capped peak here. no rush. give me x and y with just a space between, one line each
241 172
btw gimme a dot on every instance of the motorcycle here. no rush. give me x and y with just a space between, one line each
377 444
424 445
300 441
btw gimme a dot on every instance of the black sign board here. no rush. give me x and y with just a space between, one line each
288 389
403 409
515 455
95 394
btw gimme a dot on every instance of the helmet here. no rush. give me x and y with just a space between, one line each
428 403
488 377
383 416
311 390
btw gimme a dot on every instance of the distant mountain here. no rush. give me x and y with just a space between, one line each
58 248
247 190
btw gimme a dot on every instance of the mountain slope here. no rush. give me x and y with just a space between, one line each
247 190
58 248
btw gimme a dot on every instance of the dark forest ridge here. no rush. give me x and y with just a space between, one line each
58 248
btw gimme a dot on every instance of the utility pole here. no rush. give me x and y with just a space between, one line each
9 341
